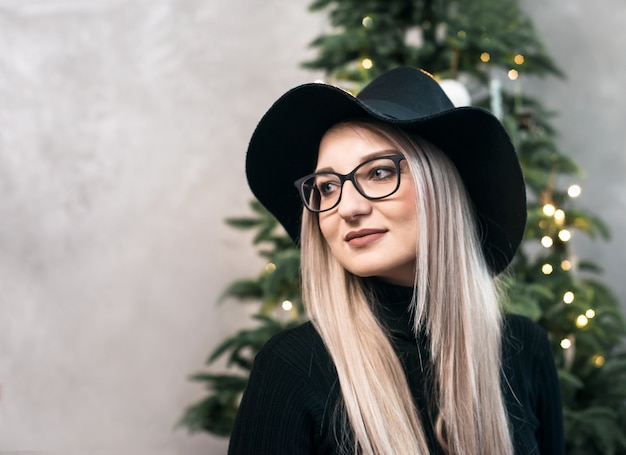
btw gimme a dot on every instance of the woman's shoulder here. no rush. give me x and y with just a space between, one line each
299 348
519 328
302 336
519 321
524 341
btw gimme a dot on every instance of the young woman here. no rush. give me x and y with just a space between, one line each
406 209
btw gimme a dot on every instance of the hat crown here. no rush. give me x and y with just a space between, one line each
405 94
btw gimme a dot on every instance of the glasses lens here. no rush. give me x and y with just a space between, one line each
378 178
321 191
374 179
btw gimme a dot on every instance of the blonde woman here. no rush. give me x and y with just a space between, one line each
406 210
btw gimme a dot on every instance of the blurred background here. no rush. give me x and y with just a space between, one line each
123 130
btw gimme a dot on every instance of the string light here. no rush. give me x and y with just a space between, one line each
549 209
565 235
574 191
547 241
590 313
559 216
287 305
598 360
485 57
461 34
513 74
519 59
568 297
546 269
566 265
270 267
367 22
581 321
566 343
367 63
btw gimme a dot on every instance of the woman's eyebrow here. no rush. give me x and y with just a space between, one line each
364 158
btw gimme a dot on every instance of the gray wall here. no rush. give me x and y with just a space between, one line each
123 126
588 41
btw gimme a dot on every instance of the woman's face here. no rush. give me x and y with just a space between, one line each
370 238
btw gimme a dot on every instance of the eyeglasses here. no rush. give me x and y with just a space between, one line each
376 178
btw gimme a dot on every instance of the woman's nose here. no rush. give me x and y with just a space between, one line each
352 203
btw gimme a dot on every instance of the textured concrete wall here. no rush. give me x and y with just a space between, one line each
123 127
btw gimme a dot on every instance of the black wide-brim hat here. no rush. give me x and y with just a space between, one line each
285 144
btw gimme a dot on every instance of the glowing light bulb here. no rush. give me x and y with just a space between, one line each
574 191
559 216
287 305
581 321
549 209
566 265
598 360
367 22
270 267
519 59
485 57
568 297
547 241
566 343
565 235
546 269
367 63
590 313
513 74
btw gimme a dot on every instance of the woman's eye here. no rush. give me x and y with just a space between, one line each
381 173
327 188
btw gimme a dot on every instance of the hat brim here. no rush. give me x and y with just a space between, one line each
285 144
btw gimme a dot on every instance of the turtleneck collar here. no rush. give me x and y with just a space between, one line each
393 306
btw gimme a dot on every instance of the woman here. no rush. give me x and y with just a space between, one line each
406 209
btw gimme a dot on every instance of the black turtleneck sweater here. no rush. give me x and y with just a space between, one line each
290 404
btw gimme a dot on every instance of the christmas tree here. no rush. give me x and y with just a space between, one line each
479 50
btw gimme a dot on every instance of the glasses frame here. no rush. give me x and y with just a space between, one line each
343 178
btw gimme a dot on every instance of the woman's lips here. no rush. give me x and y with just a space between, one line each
363 237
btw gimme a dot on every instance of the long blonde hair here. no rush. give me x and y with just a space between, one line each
455 301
